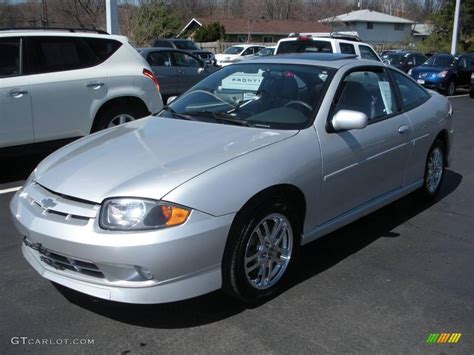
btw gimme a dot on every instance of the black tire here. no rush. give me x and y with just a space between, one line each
427 192
104 119
450 89
234 277
471 93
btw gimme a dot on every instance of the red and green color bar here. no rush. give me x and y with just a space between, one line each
442 338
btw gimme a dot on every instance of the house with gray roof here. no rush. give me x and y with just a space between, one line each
372 26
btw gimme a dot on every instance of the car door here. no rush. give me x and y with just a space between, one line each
64 84
16 122
167 74
465 68
190 70
362 164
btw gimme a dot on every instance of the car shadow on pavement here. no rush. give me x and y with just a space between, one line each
316 257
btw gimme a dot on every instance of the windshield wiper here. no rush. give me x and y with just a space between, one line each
221 117
178 115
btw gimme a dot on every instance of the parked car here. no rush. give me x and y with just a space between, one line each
222 188
186 45
62 84
320 44
176 70
404 60
236 53
445 73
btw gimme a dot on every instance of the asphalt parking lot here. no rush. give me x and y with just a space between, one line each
380 285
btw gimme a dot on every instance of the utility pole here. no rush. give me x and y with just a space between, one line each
454 41
44 14
111 12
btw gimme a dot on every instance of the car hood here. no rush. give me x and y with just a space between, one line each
147 158
223 56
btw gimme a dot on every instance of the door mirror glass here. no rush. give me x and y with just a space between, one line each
171 99
345 120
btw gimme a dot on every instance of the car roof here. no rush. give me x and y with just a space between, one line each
164 49
332 60
57 33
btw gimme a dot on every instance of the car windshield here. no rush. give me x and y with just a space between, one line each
304 46
394 58
233 50
440 61
185 45
257 95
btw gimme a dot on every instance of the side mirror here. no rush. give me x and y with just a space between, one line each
171 99
345 120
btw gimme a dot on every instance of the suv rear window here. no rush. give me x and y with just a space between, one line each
304 47
54 53
10 57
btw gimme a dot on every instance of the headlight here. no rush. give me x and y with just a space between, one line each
409 72
140 214
442 74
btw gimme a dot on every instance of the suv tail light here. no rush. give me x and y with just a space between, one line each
304 38
151 76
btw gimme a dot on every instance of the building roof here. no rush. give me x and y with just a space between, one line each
366 16
262 27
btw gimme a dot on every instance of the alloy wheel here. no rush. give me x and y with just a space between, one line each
120 119
435 169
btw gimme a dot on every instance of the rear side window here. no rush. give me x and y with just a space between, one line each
411 93
164 44
53 54
367 53
10 57
304 46
347 48
102 48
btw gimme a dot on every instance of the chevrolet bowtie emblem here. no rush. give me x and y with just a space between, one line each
48 203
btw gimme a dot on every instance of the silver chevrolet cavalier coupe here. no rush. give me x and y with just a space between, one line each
223 186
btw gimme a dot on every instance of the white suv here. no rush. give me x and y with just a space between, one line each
61 84
333 43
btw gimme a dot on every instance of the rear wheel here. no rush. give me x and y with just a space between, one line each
116 115
261 251
471 93
434 170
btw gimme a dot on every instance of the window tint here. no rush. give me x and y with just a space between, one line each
367 91
159 59
102 48
10 57
367 53
411 93
165 44
304 46
53 54
184 60
347 48
248 51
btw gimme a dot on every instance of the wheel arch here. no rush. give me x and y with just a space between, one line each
443 136
121 100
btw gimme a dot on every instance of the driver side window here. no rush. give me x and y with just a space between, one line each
369 92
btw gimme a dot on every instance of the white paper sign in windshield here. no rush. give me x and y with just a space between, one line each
243 81
384 87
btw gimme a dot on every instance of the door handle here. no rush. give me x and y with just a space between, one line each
17 93
95 85
403 129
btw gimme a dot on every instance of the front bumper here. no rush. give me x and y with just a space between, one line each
185 261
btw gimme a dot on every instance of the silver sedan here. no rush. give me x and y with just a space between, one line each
223 186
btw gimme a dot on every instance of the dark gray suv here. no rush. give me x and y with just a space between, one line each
186 45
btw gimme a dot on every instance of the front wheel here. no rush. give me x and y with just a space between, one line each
434 170
261 252
450 89
117 115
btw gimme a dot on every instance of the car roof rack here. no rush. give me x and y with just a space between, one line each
348 36
65 29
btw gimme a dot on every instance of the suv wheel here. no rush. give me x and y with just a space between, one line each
450 89
261 252
116 115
